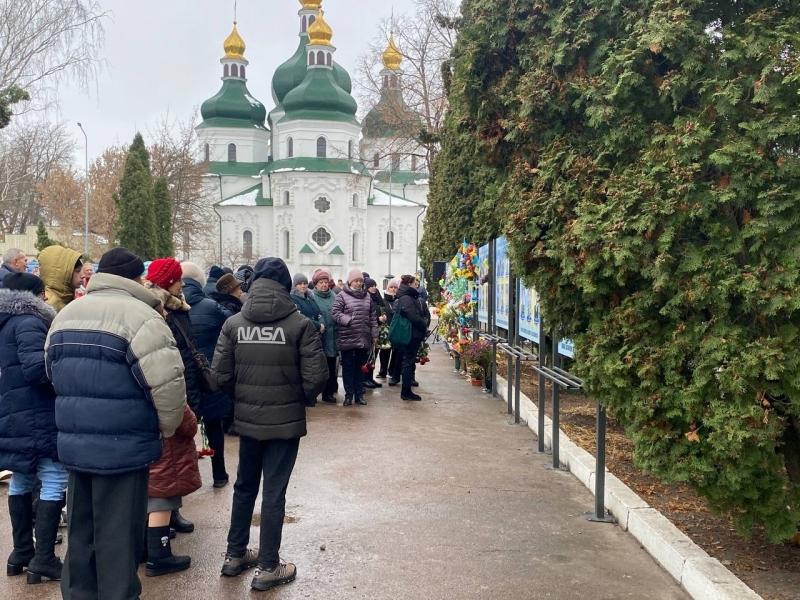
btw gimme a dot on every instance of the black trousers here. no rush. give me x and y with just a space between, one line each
106 517
352 375
388 358
274 459
332 386
215 432
409 360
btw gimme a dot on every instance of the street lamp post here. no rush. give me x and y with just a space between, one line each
86 197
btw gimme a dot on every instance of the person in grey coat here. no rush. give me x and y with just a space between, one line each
325 297
269 359
357 332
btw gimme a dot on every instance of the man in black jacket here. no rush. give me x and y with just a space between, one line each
408 305
269 358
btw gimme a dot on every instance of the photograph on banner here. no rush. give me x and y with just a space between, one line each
483 293
566 348
502 283
528 313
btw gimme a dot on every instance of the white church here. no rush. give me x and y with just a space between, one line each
307 181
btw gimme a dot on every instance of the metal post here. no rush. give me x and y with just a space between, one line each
516 391
391 231
492 324
512 320
556 401
540 424
599 514
86 198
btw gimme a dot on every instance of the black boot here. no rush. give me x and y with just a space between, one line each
160 560
20 509
375 384
360 400
407 394
393 381
348 400
329 399
369 384
179 524
45 563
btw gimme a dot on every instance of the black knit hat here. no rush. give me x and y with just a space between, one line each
216 272
275 269
368 283
23 282
121 262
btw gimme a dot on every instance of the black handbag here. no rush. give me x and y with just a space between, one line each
205 377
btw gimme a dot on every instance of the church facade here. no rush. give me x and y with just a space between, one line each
307 181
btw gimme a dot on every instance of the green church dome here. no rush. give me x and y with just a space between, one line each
391 117
291 73
320 97
233 106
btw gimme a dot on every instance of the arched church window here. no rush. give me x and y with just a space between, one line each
232 153
247 245
322 147
234 70
385 81
290 148
395 162
394 81
226 71
207 152
376 160
329 59
310 58
311 20
305 25
320 57
286 198
413 162
390 240
355 200
356 255
241 71
350 149
321 237
322 204
286 250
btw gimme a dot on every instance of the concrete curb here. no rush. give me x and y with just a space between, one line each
702 576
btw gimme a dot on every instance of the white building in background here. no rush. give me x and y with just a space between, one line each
307 182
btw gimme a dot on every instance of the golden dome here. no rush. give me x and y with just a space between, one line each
319 32
310 4
391 56
234 45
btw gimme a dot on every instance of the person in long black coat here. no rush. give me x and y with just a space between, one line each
408 306
207 318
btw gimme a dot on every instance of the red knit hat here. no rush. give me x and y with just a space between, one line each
163 272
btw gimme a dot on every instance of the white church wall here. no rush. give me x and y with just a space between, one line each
252 145
304 134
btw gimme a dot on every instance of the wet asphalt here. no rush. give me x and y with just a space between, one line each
434 500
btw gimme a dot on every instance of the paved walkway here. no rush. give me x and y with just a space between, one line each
434 500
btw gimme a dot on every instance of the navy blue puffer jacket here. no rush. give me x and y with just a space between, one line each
207 318
27 400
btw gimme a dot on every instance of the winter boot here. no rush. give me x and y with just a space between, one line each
393 381
179 524
360 401
234 565
329 399
407 394
348 400
160 560
264 580
45 564
20 509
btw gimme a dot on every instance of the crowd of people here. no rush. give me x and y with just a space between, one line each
106 377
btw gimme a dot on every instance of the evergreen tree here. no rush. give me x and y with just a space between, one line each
163 216
645 155
136 224
8 97
43 239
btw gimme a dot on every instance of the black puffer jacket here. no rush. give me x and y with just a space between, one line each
229 303
408 305
269 358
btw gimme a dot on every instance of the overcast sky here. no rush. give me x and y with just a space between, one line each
163 56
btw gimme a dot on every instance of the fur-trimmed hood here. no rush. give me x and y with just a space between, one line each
14 302
168 301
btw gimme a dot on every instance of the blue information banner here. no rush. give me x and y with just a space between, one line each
483 293
502 283
528 314
566 348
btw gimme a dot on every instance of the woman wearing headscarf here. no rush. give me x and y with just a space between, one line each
324 297
356 333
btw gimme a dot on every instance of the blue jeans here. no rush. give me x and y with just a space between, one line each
53 476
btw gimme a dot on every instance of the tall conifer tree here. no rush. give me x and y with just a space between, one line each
136 223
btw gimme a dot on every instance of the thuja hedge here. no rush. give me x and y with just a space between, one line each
645 160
